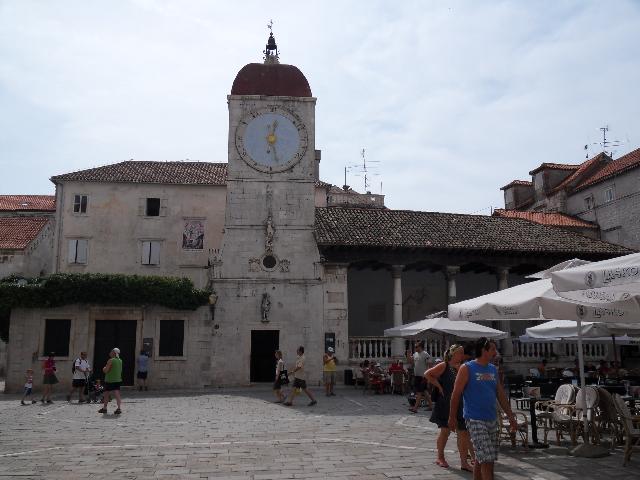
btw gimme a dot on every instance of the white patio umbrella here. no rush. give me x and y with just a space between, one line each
568 329
565 329
534 301
574 262
613 283
444 326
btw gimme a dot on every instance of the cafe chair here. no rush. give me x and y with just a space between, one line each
556 415
607 419
504 428
587 400
631 425
398 382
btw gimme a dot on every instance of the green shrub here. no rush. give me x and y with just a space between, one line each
96 288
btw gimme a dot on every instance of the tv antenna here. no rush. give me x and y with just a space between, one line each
606 145
367 169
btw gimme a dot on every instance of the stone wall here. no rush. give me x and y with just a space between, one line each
25 349
115 226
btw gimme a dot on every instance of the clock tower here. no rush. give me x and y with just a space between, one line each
268 276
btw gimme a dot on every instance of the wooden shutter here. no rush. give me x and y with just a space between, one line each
154 257
163 207
81 251
146 247
73 248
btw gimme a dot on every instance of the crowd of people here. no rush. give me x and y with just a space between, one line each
84 383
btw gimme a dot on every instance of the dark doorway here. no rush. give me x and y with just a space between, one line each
264 343
116 333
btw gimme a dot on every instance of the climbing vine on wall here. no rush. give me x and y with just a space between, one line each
96 288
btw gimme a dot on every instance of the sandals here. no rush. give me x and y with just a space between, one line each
442 463
412 410
467 468
117 412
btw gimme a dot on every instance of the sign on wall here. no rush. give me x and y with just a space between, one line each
193 235
329 341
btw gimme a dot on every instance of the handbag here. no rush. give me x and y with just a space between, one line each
283 377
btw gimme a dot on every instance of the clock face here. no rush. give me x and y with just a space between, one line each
271 139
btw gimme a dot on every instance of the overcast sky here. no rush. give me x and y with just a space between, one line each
454 99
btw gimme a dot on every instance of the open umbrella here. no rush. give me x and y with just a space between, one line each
535 301
444 326
574 262
613 283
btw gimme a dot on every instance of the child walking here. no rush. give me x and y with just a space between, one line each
28 387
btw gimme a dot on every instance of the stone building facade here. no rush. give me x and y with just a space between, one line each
600 191
290 260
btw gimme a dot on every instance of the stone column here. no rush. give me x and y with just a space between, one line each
505 325
450 273
397 347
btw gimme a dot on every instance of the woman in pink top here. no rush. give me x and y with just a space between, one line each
50 379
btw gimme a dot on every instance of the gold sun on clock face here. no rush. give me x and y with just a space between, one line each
271 139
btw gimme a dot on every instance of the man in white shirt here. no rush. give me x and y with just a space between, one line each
421 362
81 370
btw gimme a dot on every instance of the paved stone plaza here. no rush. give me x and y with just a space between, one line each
240 434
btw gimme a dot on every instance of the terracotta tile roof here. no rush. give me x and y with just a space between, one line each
615 167
526 183
554 166
448 231
186 173
28 203
322 184
583 170
544 218
17 232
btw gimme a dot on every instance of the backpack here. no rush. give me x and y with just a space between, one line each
73 365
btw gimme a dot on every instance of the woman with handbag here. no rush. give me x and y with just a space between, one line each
282 378
442 377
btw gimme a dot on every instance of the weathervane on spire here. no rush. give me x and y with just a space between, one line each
271 50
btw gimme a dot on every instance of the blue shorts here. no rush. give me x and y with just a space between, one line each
28 390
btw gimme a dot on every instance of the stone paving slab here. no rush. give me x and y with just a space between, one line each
240 434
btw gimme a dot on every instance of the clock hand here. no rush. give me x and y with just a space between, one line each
275 153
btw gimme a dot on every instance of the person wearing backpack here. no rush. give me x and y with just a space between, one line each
80 370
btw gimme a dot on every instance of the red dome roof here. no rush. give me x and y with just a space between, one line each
272 79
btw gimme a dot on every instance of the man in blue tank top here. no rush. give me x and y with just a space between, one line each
479 385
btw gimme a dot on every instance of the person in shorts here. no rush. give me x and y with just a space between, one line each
49 378
81 370
299 380
112 381
143 370
28 387
277 384
479 385
421 362
329 362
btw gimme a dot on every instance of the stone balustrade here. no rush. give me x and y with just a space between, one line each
534 351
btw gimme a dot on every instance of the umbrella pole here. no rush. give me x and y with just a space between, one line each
582 381
586 450
615 352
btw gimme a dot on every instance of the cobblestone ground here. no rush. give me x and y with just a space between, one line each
240 434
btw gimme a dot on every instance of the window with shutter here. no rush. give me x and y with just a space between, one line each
171 338
57 333
78 249
151 252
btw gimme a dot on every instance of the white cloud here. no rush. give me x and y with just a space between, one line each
454 98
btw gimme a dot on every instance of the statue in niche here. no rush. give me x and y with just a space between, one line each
265 306
269 233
